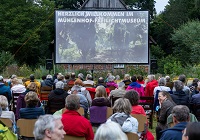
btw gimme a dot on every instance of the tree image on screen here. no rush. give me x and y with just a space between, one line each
106 39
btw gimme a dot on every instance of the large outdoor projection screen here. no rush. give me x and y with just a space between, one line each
99 37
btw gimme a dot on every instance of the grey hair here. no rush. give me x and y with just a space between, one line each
60 85
162 81
72 102
43 123
178 85
111 78
89 76
122 105
181 113
150 77
121 85
110 131
167 78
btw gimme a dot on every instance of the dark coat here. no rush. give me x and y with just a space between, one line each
181 98
101 101
164 112
174 133
56 100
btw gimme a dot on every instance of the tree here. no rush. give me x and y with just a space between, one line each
187 41
26 32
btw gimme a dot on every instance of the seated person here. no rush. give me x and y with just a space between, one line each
122 110
48 81
31 111
5 90
105 130
5 112
192 131
56 99
101 82
119 92
32 79
48 127
111 82
16 86
180 114
101 97
126 78
89 80
74 123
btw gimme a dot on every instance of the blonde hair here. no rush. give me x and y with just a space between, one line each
32 86
122 105
31 99
14 81
3 102
101 92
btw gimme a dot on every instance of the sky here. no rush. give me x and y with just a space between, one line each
160 5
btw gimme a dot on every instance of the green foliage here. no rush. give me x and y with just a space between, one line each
25 71
6 59
187 41
137 70
39 72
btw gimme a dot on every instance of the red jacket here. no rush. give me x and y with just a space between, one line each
77 125
150 87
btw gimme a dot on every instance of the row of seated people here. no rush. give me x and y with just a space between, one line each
76 125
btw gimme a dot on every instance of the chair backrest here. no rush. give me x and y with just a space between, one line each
68 137
88 85
132 136
109 112
26 127
7 122
14 101
113 99
142 122
147 103
111 88
44 92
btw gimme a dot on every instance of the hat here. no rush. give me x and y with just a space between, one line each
80 75
1 78
60 85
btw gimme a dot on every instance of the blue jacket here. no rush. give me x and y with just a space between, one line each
5 89
174 133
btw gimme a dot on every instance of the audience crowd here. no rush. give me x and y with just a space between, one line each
59 114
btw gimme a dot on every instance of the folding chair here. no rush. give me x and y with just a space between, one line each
68 137
132 136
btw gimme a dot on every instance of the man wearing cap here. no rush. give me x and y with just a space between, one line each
5 90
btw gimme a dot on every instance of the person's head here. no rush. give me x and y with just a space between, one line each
100 91
117 77
3 102
101 80
49 127
150 77
75 89
14 81
178 85
121 85
162 81
60 85
67 76
72 102
195 82
163 95
134 78
182 78
140 78
32 86
60 77
31 99
180 113
81 76
122 105
126 77
44 77
167 78
89 77
13 76
111 78
78 82
110 131
1 78
49 76
191 132
32 77
73 75
132 96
